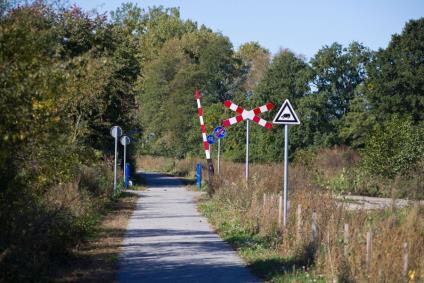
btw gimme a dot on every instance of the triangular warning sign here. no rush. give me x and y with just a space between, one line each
286 115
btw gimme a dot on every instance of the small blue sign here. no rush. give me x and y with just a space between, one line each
220 132
211 139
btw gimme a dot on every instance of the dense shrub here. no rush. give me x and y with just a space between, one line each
394 148
66 78
40 229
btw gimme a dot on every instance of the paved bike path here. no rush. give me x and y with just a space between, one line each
167 240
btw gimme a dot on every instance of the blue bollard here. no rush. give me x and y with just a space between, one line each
127 175
199 176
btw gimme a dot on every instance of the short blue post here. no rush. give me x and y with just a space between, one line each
199 176
127 175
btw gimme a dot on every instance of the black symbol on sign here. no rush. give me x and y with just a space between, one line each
287 115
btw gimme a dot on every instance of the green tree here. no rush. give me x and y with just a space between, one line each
395 83
66 77
337 72
359 122
286 78
200 59
160 25
129 18
255 61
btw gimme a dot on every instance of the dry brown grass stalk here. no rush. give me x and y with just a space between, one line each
334 259
334 255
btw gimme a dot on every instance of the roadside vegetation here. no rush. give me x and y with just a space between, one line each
96 259
246 216
338 171
67 76
65 80
297 255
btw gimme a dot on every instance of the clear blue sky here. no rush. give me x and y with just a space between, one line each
303 26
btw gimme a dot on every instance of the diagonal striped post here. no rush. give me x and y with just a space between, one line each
205 143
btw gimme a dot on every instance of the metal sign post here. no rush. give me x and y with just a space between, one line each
115 132
219 161
247 151
286 116
247 115
219 132
286 171
125 141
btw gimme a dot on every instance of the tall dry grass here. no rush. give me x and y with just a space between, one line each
337 259
324 248
46 227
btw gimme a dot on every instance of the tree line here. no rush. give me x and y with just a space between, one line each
344 95
68 75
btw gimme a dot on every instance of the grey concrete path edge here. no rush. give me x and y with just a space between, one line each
167 240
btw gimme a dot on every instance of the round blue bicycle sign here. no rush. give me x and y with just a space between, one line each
220 132
211 139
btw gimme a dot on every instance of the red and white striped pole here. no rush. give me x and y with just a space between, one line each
203 129
202 125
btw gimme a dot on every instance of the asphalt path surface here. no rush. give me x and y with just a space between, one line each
167 240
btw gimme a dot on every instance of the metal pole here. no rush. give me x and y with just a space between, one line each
114 165
247 150
125 162
219 161
286 170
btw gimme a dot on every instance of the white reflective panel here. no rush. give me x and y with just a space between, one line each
116 131
125 140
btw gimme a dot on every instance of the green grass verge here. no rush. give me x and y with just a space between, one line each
260 253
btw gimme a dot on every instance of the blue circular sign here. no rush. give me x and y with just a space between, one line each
211 139
220 132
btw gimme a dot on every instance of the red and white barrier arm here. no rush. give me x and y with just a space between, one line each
202 125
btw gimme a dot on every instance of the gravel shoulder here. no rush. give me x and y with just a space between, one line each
369 203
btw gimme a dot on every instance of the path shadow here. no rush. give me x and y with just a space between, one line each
157 180
267 268
140 178
278 265
186 256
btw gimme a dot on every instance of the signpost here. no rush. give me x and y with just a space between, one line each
125 141
115 132
286 116
219 133
248 115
